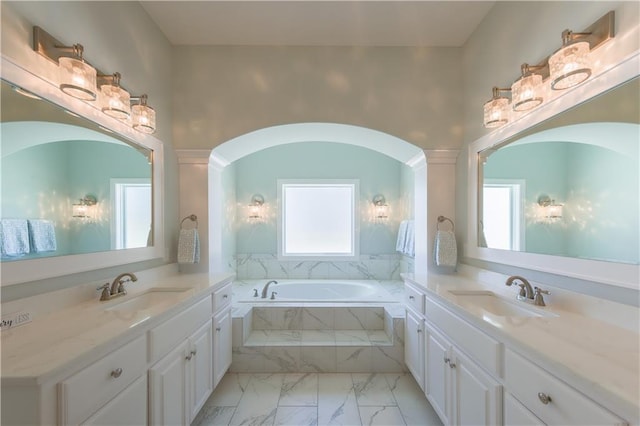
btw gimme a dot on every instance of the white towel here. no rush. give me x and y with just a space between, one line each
14 237
409 245
445 250
42 235
188 246
402 236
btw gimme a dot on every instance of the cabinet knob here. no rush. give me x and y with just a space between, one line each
419 330
544 398
116 373
225 296
188 357
447 360
193 352
452 365
218 329
411 297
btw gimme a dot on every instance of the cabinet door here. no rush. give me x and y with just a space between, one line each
517 414
414 346
221 345
129 408
437 386
167 388
200 367
476 396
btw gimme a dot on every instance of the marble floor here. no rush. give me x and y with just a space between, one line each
305 399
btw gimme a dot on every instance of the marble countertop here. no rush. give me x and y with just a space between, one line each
600 359
70 338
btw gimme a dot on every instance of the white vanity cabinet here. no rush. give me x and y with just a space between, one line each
182 380
458 389
222 332
414 332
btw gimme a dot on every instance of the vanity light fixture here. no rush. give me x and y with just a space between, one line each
79 79
143 116
567 67
256 207
496 110
82 209
76 77
526 92
380 206
113 99
550 211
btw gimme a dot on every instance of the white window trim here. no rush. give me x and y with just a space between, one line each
355 255
116 219
519 190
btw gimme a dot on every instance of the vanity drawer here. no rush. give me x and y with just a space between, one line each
222 297
86 391
566 406
166 336
483 349
414 298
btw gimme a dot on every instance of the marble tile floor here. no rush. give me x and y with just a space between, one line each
306 399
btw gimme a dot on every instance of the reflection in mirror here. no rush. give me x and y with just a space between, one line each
68 187
570 186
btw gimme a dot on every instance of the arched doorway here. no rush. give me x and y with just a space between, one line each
221 244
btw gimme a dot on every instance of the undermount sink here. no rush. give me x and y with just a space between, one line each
496 305
147 299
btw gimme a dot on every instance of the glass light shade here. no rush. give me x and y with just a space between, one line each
570 66
496 112
382 211
77 78
526 92
80 210
115 101
143 118
255 211
554 211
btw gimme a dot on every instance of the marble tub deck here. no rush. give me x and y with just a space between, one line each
305 399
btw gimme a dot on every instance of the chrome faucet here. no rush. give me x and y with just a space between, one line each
266 288
117 286
526 291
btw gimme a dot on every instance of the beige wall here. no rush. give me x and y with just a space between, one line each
224 92
518 32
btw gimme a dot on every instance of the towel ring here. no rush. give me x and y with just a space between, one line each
193 218
442 219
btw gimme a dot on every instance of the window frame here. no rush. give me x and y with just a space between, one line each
517 191
354 184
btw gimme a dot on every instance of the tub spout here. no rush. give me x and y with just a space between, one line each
266 288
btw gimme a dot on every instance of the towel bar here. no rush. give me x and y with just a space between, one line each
193 218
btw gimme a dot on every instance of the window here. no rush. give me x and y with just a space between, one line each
131 213
502 214
318 220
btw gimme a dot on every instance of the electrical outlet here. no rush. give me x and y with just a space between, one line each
15 319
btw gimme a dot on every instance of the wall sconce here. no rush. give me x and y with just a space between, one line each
567 67
380 206
113 99
81 80
256 206
496 110
83 208
549 210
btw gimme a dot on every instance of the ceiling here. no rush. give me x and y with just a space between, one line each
318 23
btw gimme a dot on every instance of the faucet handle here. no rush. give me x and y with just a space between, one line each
537 296
255 292
103 286
106 292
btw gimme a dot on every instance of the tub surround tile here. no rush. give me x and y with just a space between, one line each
258 338
284 337
350 359
352 337
281 359
318 337
318 359
378 338
289 318
247 359
318 318
388 359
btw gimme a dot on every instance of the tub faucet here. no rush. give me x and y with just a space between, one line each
266 288
526 292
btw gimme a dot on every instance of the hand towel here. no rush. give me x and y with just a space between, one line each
188 246
402 236
445 250
14 237
409 246
42 235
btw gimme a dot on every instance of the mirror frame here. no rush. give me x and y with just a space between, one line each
23 271
618 274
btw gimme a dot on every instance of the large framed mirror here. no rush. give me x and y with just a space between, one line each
80 190
560 191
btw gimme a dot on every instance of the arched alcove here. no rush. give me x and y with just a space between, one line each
221 249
